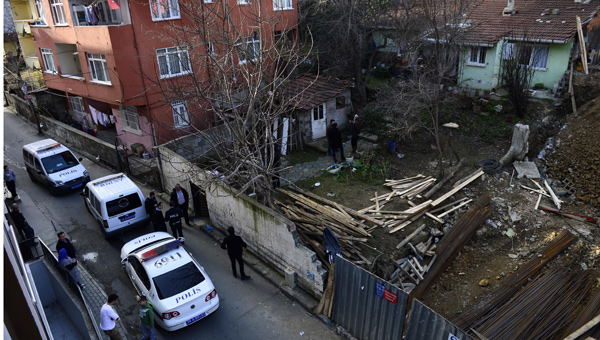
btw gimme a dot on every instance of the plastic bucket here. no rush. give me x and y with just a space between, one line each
392 146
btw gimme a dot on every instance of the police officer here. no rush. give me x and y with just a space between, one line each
173 215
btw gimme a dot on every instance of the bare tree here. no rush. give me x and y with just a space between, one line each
416 101
520 59
240 58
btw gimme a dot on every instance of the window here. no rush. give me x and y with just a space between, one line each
40 11
243 2
58 12
173 61
249 49
180 114
140 271
129 116
98 69
340 102
477 56
48 59
282 4
59 162
77 104
509 50
535 56
177 280
319 112
123 204
164 9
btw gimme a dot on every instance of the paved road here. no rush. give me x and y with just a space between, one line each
252 309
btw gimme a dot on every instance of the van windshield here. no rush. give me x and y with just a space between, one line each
123 204
177 280
59 162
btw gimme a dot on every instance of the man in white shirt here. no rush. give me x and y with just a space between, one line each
109 318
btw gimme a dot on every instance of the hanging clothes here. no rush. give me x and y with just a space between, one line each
87 14
93 18
113 4
112 119
94 114
98 11
101 118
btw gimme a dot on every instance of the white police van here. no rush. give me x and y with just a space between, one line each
53 164
116 203
168 275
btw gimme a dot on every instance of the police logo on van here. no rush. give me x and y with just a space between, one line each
67 173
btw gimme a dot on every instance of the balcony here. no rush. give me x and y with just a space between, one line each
68 59
100 13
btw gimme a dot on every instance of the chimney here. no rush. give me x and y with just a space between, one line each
509 9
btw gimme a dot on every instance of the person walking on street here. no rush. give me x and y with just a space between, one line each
146 318
235 248
22 225
150 203
327 136
158 220
10 179
108 318
65 243
173 215
354 131
182 200
336 142
69 264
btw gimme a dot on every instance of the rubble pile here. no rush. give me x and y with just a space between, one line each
574 159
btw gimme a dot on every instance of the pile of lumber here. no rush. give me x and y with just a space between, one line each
326 304
410 189
411 270
312 214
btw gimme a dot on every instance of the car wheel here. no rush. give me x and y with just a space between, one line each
31 176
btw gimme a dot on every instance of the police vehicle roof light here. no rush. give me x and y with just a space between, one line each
48 146
160 250
110 179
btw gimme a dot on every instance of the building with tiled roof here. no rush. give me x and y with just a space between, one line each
549 25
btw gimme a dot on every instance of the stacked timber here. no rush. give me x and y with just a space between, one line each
312 215
587 324
453 242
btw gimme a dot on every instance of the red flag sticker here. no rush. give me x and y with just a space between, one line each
113 4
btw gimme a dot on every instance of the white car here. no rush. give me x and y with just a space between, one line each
168 275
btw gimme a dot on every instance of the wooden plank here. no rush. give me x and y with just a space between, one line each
417 207
392 182
456 189
582 48
535 191
390 195
539 186
554 198
448 205
455 208
428 214
376 203
445 180
572 91
415 270
583 329
537 204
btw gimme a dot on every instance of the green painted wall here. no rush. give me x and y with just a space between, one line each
485 78
379 38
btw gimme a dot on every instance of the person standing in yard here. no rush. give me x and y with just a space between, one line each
354 131
69 265
181 197
10 179
173 215
158 219
336 142
235 248
108 318
150 203
327 136
146 318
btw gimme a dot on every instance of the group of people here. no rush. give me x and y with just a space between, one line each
335 141
109 317
178 209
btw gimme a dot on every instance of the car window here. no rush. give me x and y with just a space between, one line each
59 162
177 280
26 156
123 204
139 270
38 166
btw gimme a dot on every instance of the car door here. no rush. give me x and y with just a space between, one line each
138 275
39 173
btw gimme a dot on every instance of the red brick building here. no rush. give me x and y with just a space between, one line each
113 58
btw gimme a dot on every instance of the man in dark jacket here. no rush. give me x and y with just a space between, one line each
335 136
150 203
64 242
354 131
327 135
22 225
235 248
173 215
158 220
182 200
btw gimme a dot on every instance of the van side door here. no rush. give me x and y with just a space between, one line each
39 172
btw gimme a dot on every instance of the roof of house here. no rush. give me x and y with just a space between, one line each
309 90
539 20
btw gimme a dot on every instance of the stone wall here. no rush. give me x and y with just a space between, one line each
269 235
82 141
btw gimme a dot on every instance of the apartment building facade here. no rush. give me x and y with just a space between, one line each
112 59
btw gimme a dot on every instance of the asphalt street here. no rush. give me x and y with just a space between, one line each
253 309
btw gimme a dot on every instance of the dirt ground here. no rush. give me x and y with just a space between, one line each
491 254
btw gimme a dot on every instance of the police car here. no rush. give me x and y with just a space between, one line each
168 275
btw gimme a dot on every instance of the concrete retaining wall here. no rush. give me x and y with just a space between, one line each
82 141
269 235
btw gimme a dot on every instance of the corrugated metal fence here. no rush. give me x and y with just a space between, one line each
365 305
372 309
425 324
